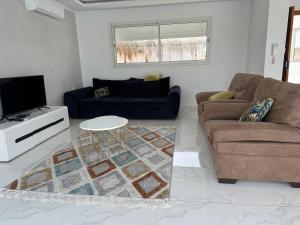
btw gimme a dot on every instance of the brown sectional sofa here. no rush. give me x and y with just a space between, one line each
266 151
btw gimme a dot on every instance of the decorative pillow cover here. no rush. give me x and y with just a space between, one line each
257 111
101 92
222 95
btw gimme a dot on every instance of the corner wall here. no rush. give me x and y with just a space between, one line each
31 44
259 12
276 33
268 25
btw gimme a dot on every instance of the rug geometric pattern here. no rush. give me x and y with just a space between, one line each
144 171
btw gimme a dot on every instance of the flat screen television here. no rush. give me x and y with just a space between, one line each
18 94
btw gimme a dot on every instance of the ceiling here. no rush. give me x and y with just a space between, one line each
79 5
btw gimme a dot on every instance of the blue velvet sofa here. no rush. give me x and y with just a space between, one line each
132 99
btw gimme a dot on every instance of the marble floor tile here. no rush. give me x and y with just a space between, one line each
267 215
293 198
186 172
263 193
115 215
188 141
197 214
188 113
22 212
203 188
186 159
189 126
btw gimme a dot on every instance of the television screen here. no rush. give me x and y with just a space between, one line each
22 93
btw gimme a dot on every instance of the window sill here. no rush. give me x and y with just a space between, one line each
161 64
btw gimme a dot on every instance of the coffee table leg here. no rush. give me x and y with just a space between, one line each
95 138
120 136
79 137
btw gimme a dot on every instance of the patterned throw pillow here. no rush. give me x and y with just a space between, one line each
257 111
101 92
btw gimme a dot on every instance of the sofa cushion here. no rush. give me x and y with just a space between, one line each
151 89
92 107
164 86
234 131
286 107
158 88
144 103
132 88
212 110
211 125
244 85
115 86
269 149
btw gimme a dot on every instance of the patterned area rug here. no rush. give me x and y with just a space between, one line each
144 171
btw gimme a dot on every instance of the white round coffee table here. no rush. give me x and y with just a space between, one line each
105 124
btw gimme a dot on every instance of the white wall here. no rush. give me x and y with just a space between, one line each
276 33
295 3
259 11
229 44
268 25
32 44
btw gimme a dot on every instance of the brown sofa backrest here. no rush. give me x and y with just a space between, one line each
286 107
244 85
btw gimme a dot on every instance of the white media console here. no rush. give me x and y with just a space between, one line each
18 137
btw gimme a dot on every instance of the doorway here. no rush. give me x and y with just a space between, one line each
291 67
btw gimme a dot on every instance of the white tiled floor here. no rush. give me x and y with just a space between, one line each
196 196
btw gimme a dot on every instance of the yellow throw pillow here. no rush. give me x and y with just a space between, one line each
152 77
222 95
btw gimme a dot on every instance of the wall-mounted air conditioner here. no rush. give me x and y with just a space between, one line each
46 7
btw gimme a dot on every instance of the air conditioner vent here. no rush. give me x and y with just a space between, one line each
48 8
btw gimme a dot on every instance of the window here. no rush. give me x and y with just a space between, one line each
160 43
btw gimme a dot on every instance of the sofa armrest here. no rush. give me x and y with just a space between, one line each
231 109
71 99
174 101
203 96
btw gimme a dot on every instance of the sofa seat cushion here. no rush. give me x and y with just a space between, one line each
92 107
234 131
268 149
145 103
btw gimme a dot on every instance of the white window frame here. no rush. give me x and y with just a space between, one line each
208 20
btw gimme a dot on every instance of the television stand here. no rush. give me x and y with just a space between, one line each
17 137
19 117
